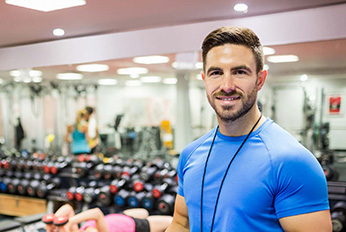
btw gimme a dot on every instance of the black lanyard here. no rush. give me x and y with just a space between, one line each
224 177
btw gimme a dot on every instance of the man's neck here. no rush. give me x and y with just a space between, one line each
240 126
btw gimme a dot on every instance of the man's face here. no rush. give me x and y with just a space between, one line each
231 81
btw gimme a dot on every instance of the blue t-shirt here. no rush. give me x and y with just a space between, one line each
273 176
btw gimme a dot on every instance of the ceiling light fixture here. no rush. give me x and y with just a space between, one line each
268 51
170 81
107 82
132 71
92 67
283 58
69 76
58 32
151 79
151 59
241 7
133 83
46 5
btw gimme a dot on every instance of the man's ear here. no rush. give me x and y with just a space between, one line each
202 74
262 75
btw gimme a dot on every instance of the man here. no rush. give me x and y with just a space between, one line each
92 129
247 174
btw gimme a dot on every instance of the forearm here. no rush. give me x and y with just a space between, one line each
91 214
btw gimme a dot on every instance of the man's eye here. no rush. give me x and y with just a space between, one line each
240 72
215 73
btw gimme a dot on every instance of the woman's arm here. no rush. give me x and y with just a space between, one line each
91 214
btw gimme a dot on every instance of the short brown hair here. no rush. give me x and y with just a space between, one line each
234 35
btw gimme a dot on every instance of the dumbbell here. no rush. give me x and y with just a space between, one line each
139 186
120 199
107 171
28 165
158 190
148 201
4 183
147 173
338 215
32 187
116 185
22 186
98 171
130 171
117 171
104 197
79 193
135 199
12 186
44 187
330 172
48 218
20 164
165 204
70 194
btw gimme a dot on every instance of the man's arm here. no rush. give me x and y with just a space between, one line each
319 221
180 221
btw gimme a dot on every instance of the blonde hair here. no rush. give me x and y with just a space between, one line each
80 115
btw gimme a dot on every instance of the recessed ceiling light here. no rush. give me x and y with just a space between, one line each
151 59
107 82
150 79
170 81
46 5
35 73
58 32
92 67
133 83
184 65
241 7
283 58
268 51
26 72
69 76
131 71
304 77
15 73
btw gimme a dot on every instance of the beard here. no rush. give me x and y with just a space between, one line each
227 113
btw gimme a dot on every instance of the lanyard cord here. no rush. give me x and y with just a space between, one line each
224 177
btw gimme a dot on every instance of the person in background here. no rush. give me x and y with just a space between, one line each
78 134
131 220
92 130
246 174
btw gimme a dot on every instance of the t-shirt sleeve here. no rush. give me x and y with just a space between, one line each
180 170
301 186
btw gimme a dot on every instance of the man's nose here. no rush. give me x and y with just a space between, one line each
228 84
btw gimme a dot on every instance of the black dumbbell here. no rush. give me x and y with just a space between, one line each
98 171
45 187
338 215
12 186
117 171
32 188
79 193
135 199
148 202
147 173
165 204
120 199
104 197
139 186
107 171
122 183
90 194
23 186
158 190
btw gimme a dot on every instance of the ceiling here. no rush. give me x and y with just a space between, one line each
21 26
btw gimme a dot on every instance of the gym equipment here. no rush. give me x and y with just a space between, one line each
32 187
60 221
104 197
338 215
139 186
79 193
90 194
116 185
160 189
12 186
147 173
71 192
4 183
135 199
165 204
148 201
48 218
22 186
98 171
45 187
120 199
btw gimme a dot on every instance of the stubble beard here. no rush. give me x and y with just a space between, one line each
227 114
